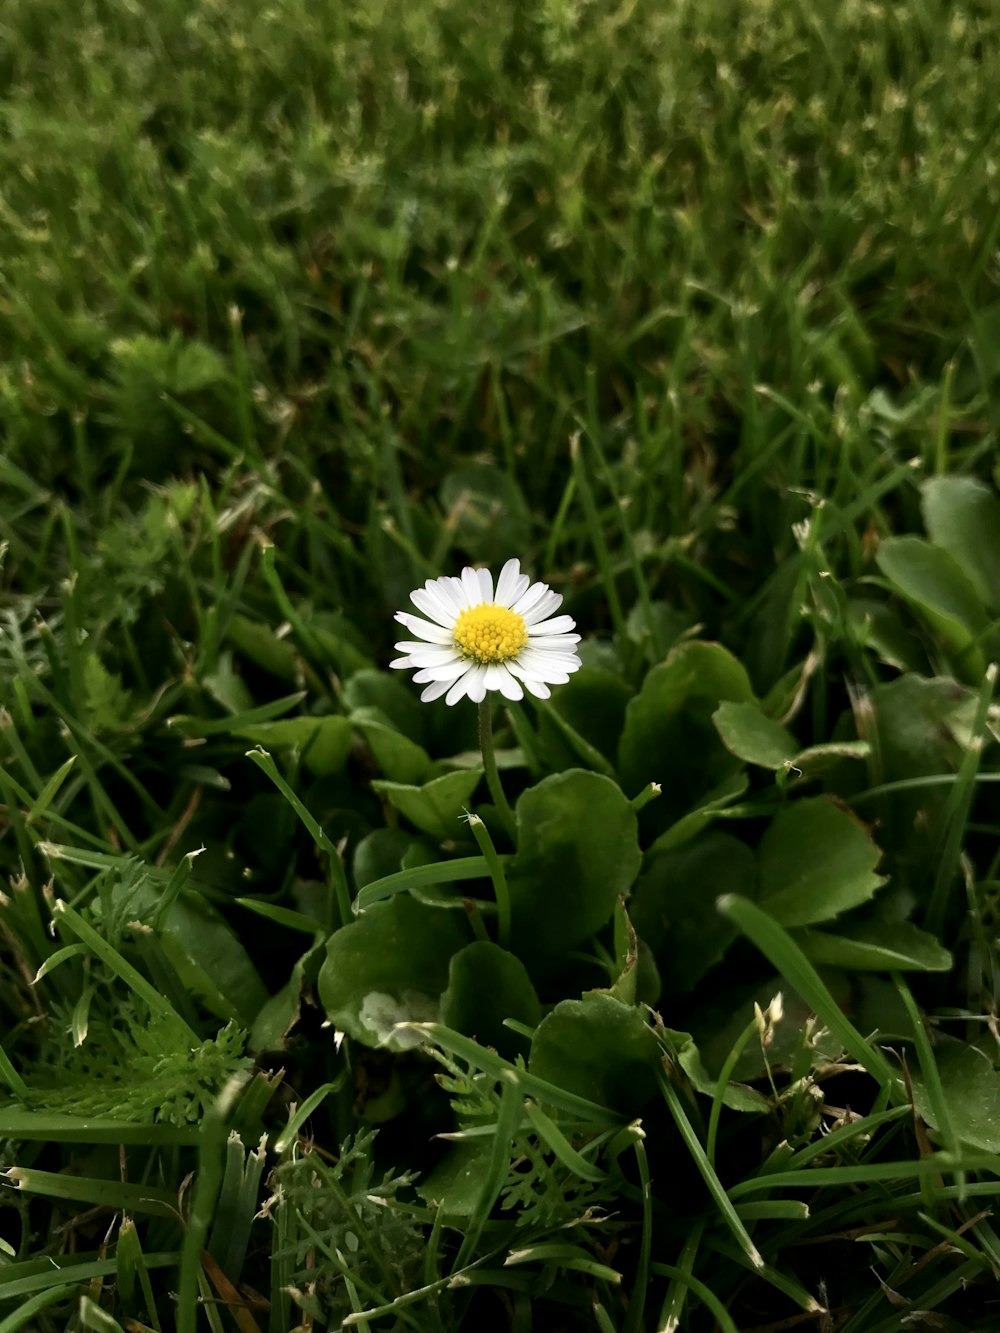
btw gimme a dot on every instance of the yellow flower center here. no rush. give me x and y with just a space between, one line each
490 633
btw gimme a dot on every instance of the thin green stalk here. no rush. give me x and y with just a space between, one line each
134 979
490 765
597 540
482 835
715 1186
337 874
704 1294
12 1078
208 1181
780 949
956 811
725 1075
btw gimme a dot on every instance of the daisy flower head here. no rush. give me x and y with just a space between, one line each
477 637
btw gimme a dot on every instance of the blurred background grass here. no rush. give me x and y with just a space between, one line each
750 246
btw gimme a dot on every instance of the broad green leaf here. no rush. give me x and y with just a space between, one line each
937 587
972 1088
399 758
751 736
593 702
323 742
877 946
394 699
259 643
578 849
388 967
456 1183
815 861
486 984
673 905
435 808
922 729
878 626
600 1049
205 953
816 759
963 516
380 853
669 737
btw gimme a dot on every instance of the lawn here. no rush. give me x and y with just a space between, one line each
663 997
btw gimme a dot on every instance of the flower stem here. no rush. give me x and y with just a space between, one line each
482 836
490 764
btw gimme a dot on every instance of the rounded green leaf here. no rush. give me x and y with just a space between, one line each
940 591
324 742
578 849
877 946
436 807
399 758
380 853
963 516
669 737
486 984
971 1086
600 1049
593 703
391 696
750 735
815 861
673 905
388 967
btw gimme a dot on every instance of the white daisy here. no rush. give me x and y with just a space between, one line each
478 638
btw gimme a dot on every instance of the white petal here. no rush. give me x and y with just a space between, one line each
538 613
485 584
402 662
447 671
477 684
428 654
423 629
449 591
460 688
558 625
435 691
555 672
470 585
507 583
531 598
432 606
536 688
565 643
499 678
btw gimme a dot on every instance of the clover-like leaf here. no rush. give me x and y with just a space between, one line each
388 967
815 861
436 807
669 737
600 1049
486 984
578 849
877 946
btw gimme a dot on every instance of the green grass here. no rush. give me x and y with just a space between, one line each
695 310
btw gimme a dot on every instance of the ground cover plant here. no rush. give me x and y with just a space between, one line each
667 1001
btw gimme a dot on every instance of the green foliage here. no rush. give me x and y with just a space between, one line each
344 1231
705 332
134 1068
